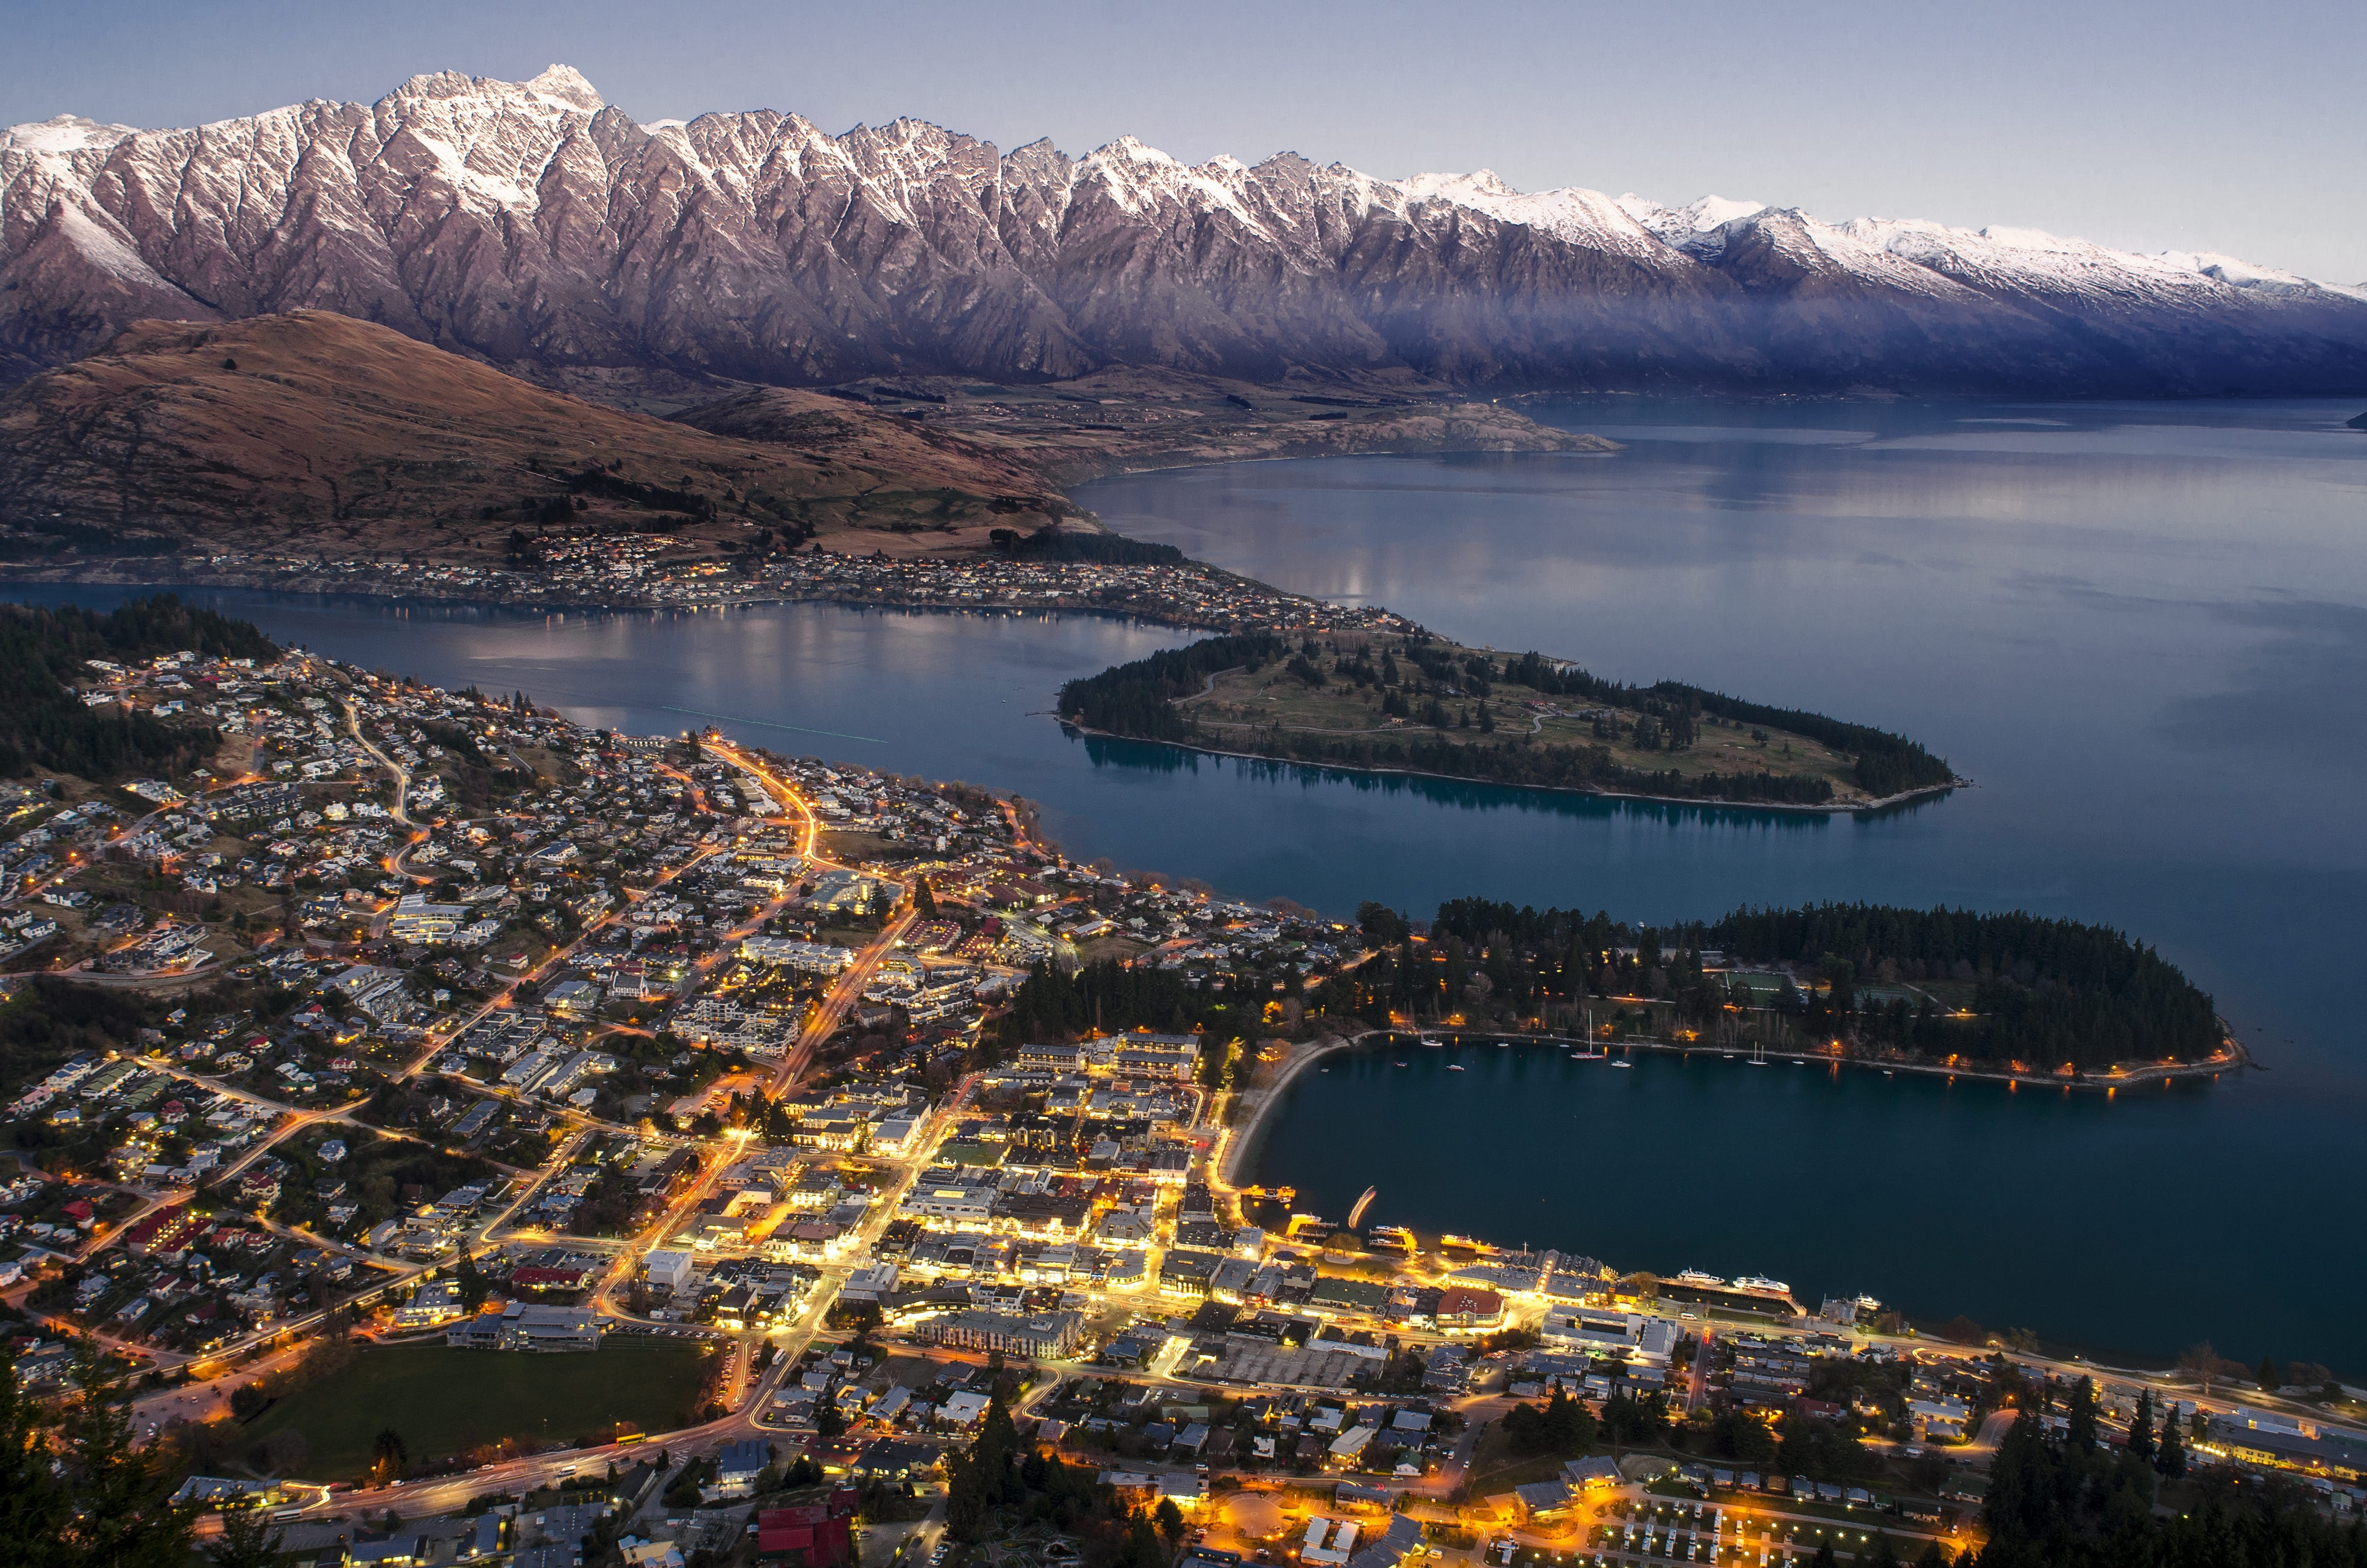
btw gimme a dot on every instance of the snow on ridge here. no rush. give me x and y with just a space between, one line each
1572 212
491 140
1700 217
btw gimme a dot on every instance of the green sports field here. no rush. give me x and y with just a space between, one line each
444 1401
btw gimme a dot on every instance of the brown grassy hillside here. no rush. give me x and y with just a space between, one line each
315 432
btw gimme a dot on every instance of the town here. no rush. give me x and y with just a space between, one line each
483 1138
649 570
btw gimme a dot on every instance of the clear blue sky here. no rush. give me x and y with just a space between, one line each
2150 125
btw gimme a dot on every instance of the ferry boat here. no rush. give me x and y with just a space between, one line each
1760 1285
1695 1276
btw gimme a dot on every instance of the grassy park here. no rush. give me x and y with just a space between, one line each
443 1401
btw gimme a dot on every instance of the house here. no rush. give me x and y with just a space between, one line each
737 1466
1587 1474
1328 1543
963 1409
1348 1448
1545 1499
1393 1546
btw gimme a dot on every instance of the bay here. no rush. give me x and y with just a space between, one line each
2141 628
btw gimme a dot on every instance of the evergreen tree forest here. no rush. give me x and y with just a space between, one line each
1415 675
2066 1501
43 724
1108 996
2041 991
995 1488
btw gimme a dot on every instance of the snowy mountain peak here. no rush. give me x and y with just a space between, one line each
1695 228
568 85
62 135
525 224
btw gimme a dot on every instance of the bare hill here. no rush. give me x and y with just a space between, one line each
315 432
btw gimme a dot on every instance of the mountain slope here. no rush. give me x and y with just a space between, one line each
531 225
315 432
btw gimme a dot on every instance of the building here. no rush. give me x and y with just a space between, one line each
1042 1337
1463 1307
815 1530
805 957
738 1465
2276 1442
416 920
1328 1543
521 1327
669 1268
430 1305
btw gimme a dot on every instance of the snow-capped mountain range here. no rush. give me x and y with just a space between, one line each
530 224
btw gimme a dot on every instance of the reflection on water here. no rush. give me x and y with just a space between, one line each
2142 630
1460 794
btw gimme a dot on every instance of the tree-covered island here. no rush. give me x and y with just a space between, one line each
1414 703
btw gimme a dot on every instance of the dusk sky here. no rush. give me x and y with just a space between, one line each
2150 126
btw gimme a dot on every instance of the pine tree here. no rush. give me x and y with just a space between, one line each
247 1538
2081 1433
2270 1378
2169 1456
2141 1426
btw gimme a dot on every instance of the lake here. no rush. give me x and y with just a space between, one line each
2141 628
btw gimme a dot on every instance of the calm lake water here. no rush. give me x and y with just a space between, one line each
2142 629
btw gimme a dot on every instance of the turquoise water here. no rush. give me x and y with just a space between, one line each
2142 630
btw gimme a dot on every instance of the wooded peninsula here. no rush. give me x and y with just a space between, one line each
1415 703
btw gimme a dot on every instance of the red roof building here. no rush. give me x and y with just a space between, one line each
818 1534
1463 1307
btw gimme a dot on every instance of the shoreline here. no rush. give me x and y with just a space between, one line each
1243 1132
614 605
1258 1103
1720 802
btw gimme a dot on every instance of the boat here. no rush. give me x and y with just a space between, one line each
1401 1063
1455 1067
1760 1285
1695 1276
1433 1044
1630 1066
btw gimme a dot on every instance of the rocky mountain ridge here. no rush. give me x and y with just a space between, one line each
533 226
